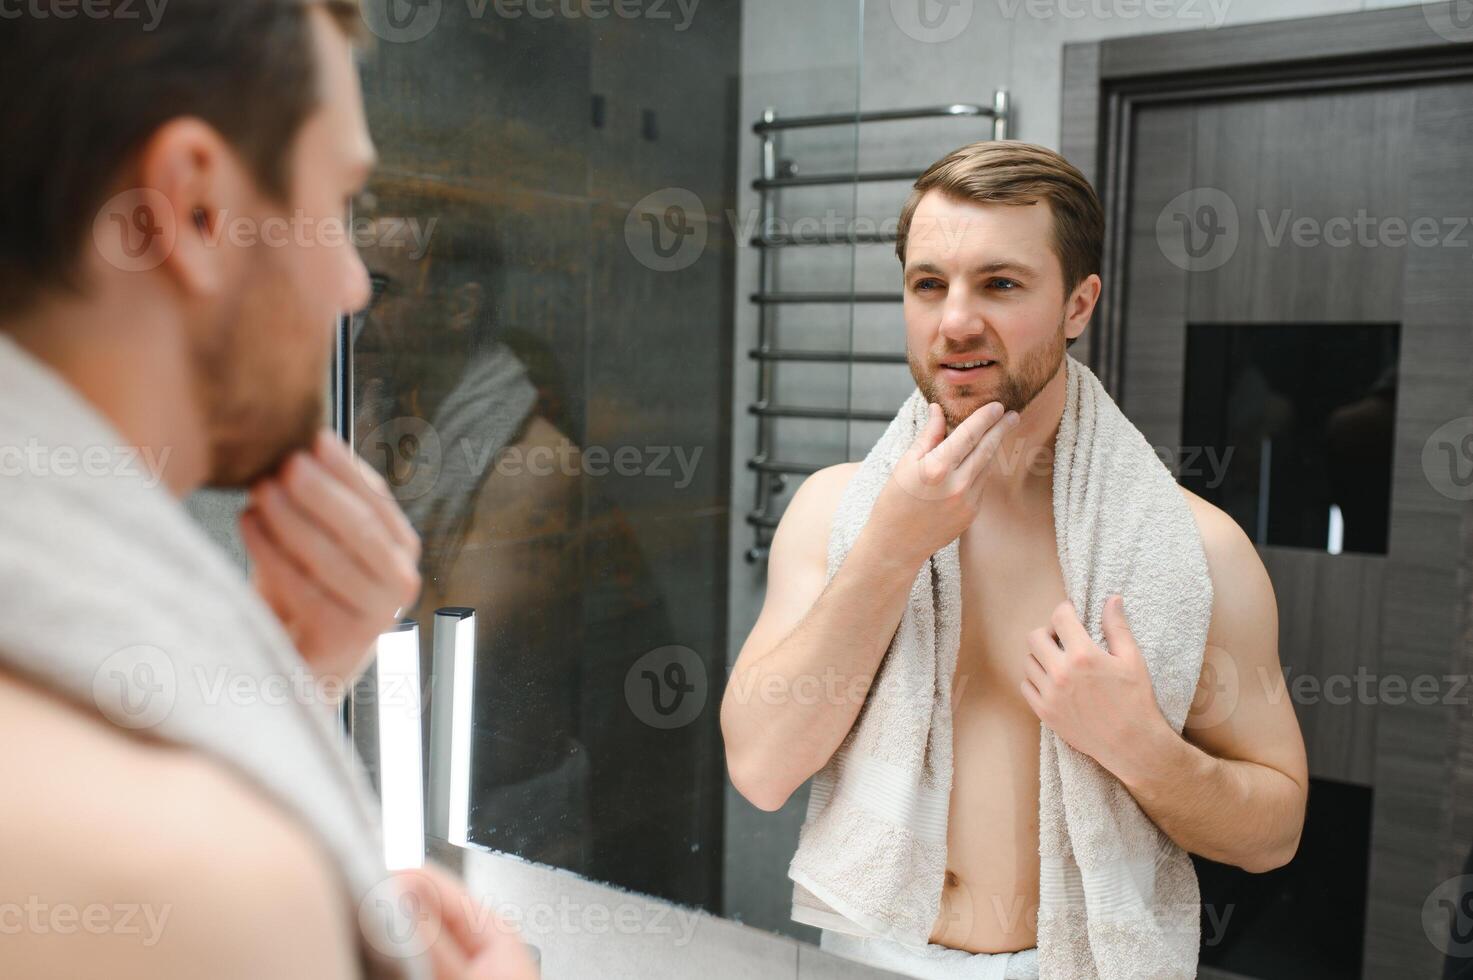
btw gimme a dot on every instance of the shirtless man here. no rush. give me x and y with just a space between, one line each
1000 249
213 360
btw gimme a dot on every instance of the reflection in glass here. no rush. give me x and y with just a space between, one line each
1288 428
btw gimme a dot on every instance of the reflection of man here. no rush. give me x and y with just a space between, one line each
1000 247
148 321
442 406
461 412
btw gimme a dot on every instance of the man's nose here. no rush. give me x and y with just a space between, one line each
357 290
961 320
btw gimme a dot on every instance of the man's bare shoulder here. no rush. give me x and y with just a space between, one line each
181 861
803 532
1223 539
1242 589
819 494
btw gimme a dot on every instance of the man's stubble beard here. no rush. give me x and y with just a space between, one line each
251 432
1016 389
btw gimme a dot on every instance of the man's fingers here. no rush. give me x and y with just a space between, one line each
986 449
966 436
1043 648
343 513
448 961
290 592
474 943
448 952
357 474
506 959
264 559
457 908
1070 630
931 433
315 552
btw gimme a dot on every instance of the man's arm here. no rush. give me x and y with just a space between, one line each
1234 788
805 670
141 862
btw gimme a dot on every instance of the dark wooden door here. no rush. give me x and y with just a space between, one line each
1342 217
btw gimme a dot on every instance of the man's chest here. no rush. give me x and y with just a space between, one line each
1011 583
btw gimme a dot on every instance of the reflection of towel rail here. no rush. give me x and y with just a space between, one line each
777 466
851 357
998 111
850 297
821 180
778 175
816 412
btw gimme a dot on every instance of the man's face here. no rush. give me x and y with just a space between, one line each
264 358
982 283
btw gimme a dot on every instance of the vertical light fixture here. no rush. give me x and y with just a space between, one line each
453 677
401 789
1337 530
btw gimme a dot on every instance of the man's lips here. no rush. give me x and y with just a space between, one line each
965 368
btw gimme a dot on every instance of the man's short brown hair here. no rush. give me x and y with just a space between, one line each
83 93
1013 172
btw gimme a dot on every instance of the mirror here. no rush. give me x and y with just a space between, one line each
624 306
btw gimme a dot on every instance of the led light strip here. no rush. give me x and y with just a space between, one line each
453 689
399 746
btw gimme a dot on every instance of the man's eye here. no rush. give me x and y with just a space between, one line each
1011 283
925 285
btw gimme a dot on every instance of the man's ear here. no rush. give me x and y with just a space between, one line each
197 184
1081 305
468 300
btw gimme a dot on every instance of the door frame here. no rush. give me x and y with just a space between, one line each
1103 84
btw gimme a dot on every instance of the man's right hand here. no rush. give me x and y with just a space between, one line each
470 941
935 490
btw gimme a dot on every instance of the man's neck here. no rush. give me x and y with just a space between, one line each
1021 475
133 370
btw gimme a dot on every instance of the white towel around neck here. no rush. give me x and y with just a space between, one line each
1118 899
113 598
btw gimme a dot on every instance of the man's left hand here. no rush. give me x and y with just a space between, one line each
1099 701
333 555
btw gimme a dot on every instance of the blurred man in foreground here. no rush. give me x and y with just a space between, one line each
173 257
